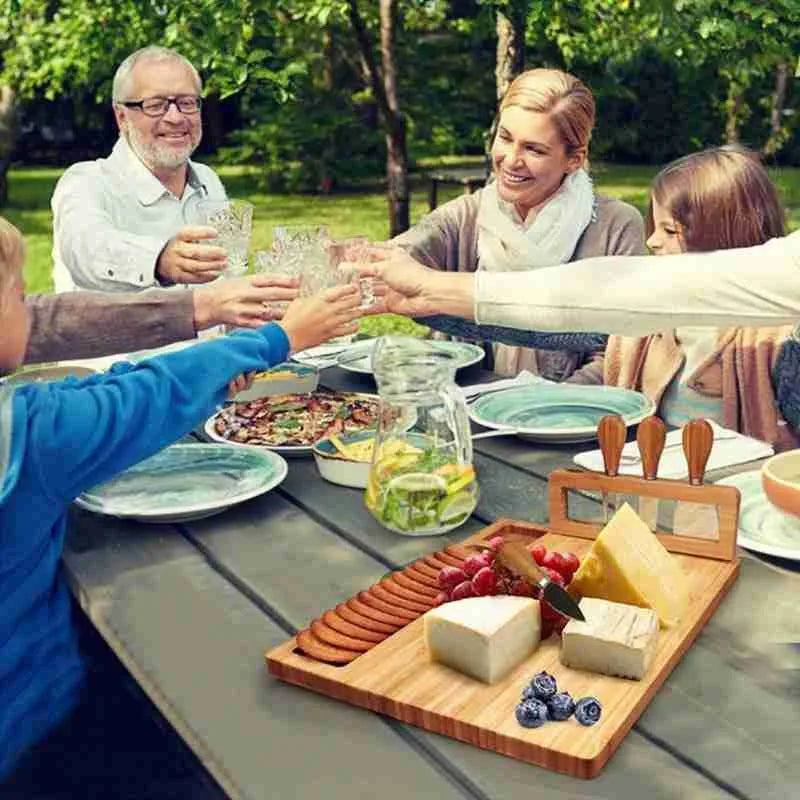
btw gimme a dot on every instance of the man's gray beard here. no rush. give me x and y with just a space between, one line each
154 157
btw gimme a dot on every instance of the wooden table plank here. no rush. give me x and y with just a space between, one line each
196 644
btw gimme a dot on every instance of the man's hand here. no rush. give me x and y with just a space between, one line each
185 259
312 320
246 302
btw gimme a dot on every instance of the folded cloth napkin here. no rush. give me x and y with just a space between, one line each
729 448
524 377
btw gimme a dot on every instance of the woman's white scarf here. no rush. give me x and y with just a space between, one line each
506 243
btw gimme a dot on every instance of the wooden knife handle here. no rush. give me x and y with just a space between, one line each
698 438
611 431
650 437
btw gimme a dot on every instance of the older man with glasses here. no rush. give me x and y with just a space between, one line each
128 221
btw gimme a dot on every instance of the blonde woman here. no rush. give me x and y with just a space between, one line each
717 199
540 209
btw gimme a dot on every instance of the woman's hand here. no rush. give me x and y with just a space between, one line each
246 302
415 290
308 321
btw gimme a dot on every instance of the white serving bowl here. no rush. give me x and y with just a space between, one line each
334 467
780 478
282 379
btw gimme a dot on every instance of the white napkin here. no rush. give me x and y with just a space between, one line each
729 448
524 377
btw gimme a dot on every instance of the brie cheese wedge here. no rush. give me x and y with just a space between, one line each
483 637
616 639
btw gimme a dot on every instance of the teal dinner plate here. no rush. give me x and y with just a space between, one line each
187 481
459 354
763 528
558 412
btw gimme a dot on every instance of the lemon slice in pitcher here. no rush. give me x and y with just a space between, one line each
456 505
418 482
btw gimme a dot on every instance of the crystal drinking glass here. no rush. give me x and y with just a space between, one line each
233 221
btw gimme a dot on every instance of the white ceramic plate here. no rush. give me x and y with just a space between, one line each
558 412
283 379
359 357
185 482
46 374
285 450
762 527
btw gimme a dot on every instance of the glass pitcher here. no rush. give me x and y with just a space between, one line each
422 480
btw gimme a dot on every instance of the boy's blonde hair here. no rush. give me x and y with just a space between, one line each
721 198
12 256
568 101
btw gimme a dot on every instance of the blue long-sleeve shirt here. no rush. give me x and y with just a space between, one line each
65 438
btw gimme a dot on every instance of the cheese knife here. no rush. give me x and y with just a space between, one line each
650 437
611 432
696 519
516 557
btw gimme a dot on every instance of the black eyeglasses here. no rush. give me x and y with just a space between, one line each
158 106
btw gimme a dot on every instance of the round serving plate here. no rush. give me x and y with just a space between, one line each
558 412
290 451
56 372
283 379
185 482
763 528
461 354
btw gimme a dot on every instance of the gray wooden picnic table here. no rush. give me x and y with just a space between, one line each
191 608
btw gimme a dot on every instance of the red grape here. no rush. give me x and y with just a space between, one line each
462 591
555 577
484 581
571 562
547 629
475 562
496 542
539 551
440 598
548 612
450 577
522 588
553 560
560 624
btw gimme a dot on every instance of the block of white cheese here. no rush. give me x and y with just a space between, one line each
616 639
484 637
628 564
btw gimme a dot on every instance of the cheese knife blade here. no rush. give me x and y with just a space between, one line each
516 557
650 437
699 520
611 432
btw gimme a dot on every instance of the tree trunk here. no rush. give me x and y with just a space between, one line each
383 82
396 155
734 110
777 132
9 131
510 57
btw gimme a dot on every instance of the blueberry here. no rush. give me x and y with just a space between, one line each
528 694
531 713
588 710
544 685
560 706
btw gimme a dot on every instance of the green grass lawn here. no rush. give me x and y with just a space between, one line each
346 214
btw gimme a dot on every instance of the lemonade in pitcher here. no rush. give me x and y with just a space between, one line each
422 480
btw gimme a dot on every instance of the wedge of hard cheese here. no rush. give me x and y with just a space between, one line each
615 639
628 564
484 637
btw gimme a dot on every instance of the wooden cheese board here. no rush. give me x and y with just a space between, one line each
370 649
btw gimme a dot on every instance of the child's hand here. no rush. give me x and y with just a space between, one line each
311 320
240 383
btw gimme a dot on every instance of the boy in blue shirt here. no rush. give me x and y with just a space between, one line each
57 440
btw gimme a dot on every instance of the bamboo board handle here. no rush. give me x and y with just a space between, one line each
698 438
611 432
650 437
